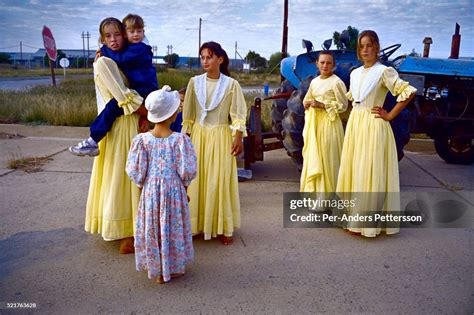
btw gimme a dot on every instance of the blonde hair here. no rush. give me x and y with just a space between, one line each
133 21
107 21
374 39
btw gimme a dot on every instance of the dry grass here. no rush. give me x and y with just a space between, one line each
256 79
176 79
266 112
27 164
13 73
73 103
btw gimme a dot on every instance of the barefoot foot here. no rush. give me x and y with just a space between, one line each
126 246
226 240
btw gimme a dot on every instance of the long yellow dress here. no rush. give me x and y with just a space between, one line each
214 193
323 135
113 199
369 156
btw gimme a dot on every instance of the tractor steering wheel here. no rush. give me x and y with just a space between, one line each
388 51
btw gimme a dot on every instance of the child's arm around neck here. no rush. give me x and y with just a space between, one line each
130 54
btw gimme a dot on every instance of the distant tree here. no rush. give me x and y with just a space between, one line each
255 60
274 62
5 58
172 60
347 39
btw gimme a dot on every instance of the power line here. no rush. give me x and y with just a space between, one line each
9 47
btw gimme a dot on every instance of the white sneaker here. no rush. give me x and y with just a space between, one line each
85 147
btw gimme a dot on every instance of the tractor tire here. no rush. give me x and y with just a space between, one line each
279 106
293 123
456 148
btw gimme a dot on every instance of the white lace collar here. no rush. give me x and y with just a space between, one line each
360 92
200 89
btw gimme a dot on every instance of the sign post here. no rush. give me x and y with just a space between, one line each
50 46
64 62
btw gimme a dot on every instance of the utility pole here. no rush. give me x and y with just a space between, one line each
200 23
155 49
88 35
284 44
83 46
235 56
170 52
21 52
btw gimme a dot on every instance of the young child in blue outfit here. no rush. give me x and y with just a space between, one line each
136 63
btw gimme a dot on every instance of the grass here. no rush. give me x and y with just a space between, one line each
253 79
27 164
8 72
266 109
73 103
176 78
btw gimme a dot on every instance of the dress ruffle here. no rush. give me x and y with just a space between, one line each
238 125
187 126
131 103
404 90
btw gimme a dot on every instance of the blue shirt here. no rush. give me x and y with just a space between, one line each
136 62
176 125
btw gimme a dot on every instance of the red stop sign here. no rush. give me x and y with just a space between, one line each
49 43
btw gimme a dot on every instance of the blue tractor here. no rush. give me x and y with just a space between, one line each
298 71
443 107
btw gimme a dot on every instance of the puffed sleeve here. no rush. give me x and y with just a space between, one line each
238 110
189 108
309 95
137 161
339 103
186 160
397 86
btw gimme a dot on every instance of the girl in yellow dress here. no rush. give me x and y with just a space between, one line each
211 99
323 133
369 156
113 199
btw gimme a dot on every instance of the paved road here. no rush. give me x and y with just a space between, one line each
46 257
29 82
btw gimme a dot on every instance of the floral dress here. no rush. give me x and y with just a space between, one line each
162 167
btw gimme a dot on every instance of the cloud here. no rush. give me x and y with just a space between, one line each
255 25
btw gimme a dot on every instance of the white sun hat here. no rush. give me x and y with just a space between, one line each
162 104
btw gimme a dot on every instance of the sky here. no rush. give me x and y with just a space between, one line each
254 24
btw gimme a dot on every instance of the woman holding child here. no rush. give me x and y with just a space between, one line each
113 199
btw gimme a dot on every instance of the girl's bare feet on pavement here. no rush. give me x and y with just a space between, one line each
126 246
226 240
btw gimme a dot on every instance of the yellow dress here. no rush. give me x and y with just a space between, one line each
113 199
369 156
214 193
323 135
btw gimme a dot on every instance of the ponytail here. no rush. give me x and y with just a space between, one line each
216 49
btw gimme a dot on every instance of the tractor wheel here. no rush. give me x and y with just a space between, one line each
456 148
293 123
279 106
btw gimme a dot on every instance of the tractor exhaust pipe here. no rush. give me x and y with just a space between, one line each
426 50
456 43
